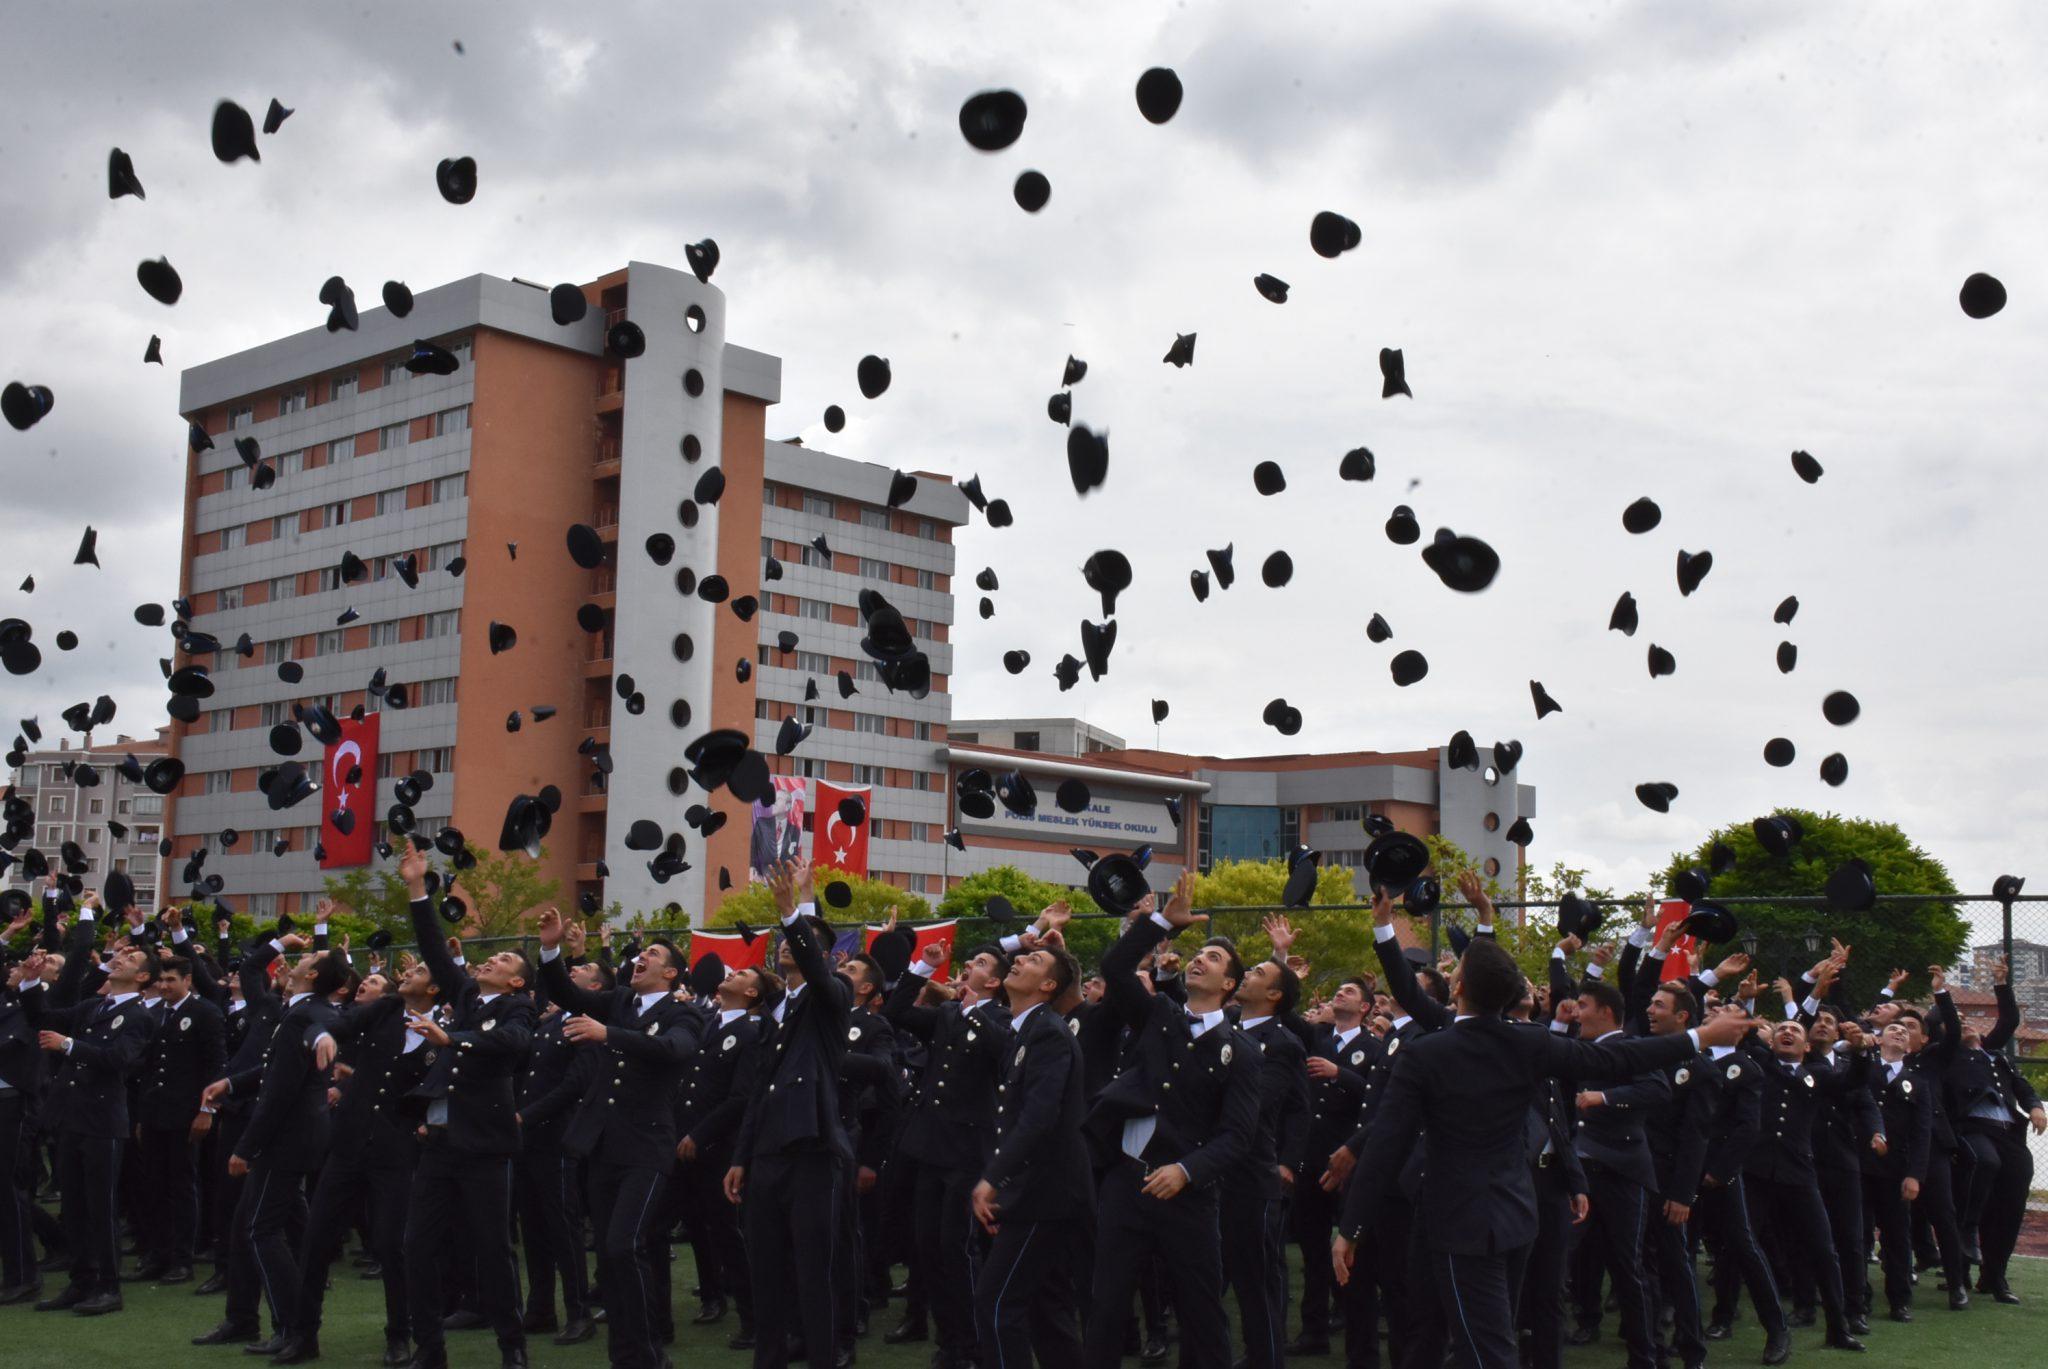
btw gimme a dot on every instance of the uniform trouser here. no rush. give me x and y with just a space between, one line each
849 1265
900 1234
550 1189
1360 1297
17 1250
1183 1232
625 1202
1613 1240
1936 1208
89 1177
721 1256
1024 1299
272 1212
793 1202
1470 1309
1841 1195
1797 1221
2004 1204
344 1188
168 1194
461 1202
947 1253
1723 1219
1893 1220
1255 1265
1398 1275
1541 1306
1675 1282
228 1126
1312 1217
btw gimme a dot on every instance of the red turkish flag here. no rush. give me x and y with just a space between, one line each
1679 964
732 948
355 752
931 934
834 844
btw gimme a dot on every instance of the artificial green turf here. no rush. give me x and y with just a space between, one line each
158 1323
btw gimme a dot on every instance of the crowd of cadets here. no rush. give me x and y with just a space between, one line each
1066 1164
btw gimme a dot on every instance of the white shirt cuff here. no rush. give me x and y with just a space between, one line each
548 953
277 945
802 910
1811 1007
1385 933
1791 1011
1596 971
923 969
1160 919
179 936
84 913
1692 1034
319 929
1559 1027
68 1044
1557 953
1709 978
1885 992
1641 937
1483 929
1659 953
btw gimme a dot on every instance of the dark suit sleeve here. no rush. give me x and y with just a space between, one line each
1572 1057
283 1075
554 977
723 1118
674 1043
2024 1091
1122 992
512 1035
1387 1142
211 1029
434 951
1951 1043
1919 1144
123 1053
1649 975
575 1079
80 943
1695 1130
1644 1091
1745 1126
902 1010
1407 991
257 990
1561 984
1042 1083
2008 1019
1283 1086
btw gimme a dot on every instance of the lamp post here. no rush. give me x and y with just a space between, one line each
1813 939
1749 945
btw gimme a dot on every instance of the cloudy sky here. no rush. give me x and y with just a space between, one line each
1635 250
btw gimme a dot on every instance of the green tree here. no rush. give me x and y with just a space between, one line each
1336 943
1087 935
872 899
501 888
375 894
1906 935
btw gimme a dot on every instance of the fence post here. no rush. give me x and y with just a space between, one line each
2005 937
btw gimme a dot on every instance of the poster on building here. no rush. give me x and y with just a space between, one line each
839 845
349 782
778 828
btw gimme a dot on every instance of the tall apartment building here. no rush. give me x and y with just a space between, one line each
116 822
541 427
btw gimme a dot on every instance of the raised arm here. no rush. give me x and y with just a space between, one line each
2008 1012
412 868
554 970
1397 972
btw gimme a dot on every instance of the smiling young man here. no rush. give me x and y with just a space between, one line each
1253 1212
1179 1116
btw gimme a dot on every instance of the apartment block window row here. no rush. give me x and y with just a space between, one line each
848 510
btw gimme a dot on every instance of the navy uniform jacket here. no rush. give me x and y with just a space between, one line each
372 1124
1844 1122
1471 1088
1790 1100
1738 1119
1039 1162
1906 1105
952 1110
190 1052
1204 1090
558 1074
257 1021
872 1089
1681 1128
487 1043
288 1128
21 1058
716 1085
1615 1135
1282 1134
627 1115
1334 1103
1100 1034
1972 1079
796 1106
89 1093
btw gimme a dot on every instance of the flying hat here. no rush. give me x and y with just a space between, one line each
1840 708
1661 662
1282 717
625 340
1506 756
154 352
1376 629
234 133
1393 374
1276 570
1160 708
1159 94
1270 288
1395 860
1834 769
1067 671
1117 884
1642 515
1851 887
790 735
25 405
456 178
1577 917
1087 459
1777 833
1198 581
1303 867
1031 191
872 375
1787 609
1623 619
1108 573
992 120
1014 788
1357 464
1463 752
1097 641
160 280
431 359
1464 564
1788 657
1330 234
1016 661
1545 705
397 298
1423 897
1402 529
1220 562
1981 295
2006 888
1693 568
1519 833
1711 923
1408 667
1690 884
702 258
1806 467
121 177
1657 795
1182 353
341 302
1780 752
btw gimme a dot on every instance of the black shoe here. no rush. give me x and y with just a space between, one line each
146 1272
538 1321
1305 1344
298 1350
2006 1296
397 1353
270 1346
99 1305
512 1357
63 1302
462 1319
1583 1335
1717 1330
21 1292
177 1273
217 1283
1154 1351
55 1262
712 1311
372 1270
905 1332
1842 1340
1958 1300
1778 1346
579 1329
1970 1251
744 1340
844 1359
1801 1318
1900 1314
227 1333
424 1358
1859 1325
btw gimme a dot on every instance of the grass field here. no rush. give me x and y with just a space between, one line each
158 1323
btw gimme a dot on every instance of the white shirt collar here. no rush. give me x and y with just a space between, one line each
648 1000
1017 1022
1404 1019
485 998
727 1016
1204 1021
116 999
1604 1035
1344 1034
1720 1052
293 1001
1247 1023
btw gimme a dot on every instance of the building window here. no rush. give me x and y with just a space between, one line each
928 529
390 501
284 587
816 609
875 518
1026 741
384 633
334 515
927 579
234 537
442 624
867 774
292 401
1344 812
219 781
234 477
438 557
342 448
224 660
867 671
816 662
262 905
449 487
330 578
871 569
811 556
819 504
327 643
871 723
271 714
394 370
438 760
437 692
768 543
291 463
393 435
1290 829
277 652
344 386
230 596
284 525
241 416
387 764
921 732
451 421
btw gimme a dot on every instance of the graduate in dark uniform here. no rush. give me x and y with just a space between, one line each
549 1183
1254 1205
1341 1054
189 1053
462 1189
1679 1132
1035 1191
1176 1120
625 1124
1905 1147
21 1072
793 1161
1992 1105
871 1094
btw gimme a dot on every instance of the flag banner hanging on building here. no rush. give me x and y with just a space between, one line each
353 753
732 948
778 830
931 934
1679 964
834 844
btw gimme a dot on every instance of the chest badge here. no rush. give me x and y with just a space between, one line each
1075 1026
184 1024
728 1043
1734 1072
654 1028
1020 1055
972 1035
1906 1087
428 1055
115 1025
1393 1044
1683 1076
489 1023
1224 1054
1358 1057
1808 1080
853 1033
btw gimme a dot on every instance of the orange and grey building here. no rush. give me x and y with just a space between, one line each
539 428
